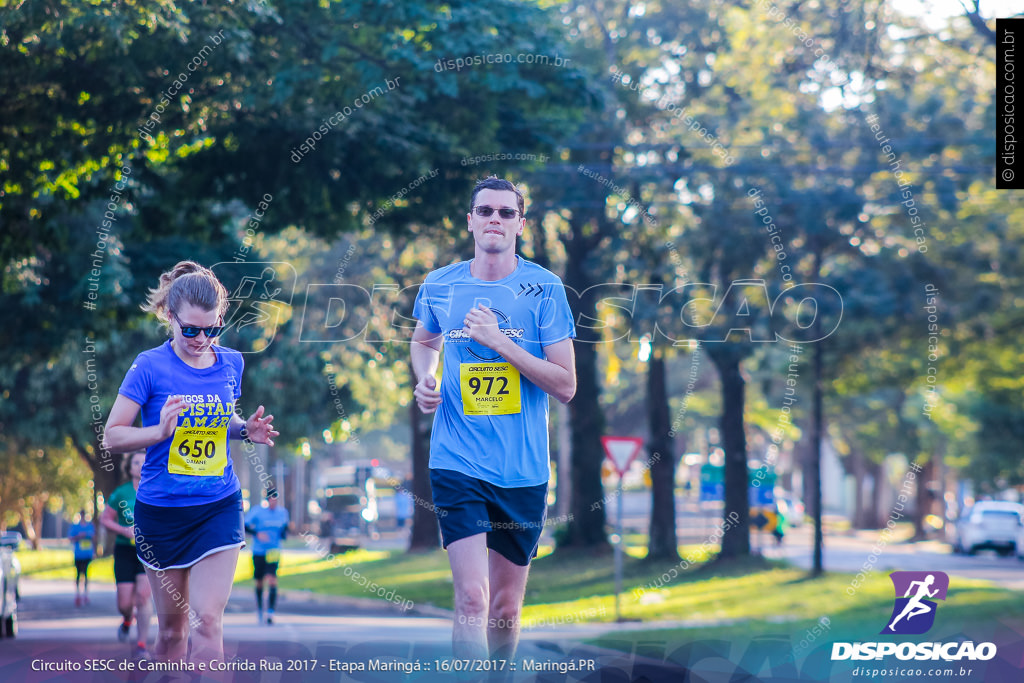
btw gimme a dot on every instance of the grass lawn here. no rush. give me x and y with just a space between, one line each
733 601
784 603
57 564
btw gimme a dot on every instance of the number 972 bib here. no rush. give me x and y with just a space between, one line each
199 451
489 389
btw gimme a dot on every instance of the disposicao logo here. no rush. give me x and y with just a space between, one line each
913 613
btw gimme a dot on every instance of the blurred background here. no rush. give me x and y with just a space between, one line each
792 275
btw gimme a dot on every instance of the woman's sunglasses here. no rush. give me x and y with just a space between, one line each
191 331
486 211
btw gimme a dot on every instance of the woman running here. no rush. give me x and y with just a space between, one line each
133 592
188 510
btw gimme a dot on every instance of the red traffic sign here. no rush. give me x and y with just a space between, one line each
621 450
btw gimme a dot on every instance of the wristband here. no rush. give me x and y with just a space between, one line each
243 433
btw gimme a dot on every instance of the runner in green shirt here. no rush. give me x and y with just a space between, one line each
133 591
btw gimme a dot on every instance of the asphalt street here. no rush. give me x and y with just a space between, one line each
312 639
317 638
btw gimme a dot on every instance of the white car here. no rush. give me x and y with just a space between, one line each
989 524
10 570
1020 540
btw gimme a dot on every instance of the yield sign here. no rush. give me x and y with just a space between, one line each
621 450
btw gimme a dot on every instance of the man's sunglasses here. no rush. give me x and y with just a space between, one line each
486 211
190 331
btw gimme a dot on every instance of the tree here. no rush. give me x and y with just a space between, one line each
36 480
196 121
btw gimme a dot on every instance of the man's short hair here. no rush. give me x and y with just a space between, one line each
495 183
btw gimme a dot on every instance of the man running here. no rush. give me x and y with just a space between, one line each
81 535
268 525
509 331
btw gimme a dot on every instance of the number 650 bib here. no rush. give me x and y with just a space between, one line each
198 451
489 389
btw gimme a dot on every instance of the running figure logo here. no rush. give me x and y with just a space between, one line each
914 612
260 294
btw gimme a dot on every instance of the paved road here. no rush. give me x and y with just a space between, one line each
849 553
318 640
339 633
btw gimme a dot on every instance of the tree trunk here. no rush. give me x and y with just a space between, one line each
25 517
587 527
817 431
662 543
38 507
736 538
922 499
425 532
876 514
859 508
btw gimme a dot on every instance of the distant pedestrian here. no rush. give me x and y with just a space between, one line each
82 535
269 526
403 504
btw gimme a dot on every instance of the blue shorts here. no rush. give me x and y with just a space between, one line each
178 537
512 518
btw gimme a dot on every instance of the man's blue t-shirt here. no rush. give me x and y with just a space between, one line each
83 546
194 465
492 423
271 522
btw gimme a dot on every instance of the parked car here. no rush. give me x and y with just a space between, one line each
1020 539
347 497
790 507
10 570
989 524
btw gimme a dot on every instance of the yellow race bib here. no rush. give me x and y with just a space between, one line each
85 544
490 389
198 451
273 555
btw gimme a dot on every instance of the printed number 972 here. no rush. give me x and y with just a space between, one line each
476 382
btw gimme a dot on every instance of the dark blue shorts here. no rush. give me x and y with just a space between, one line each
260 567
512 518
178 537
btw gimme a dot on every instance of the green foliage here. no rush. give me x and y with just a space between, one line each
138 135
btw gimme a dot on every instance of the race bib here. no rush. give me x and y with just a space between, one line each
273 555
85 545
490 389
199 451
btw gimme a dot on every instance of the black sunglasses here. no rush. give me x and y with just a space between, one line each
191 331
486 211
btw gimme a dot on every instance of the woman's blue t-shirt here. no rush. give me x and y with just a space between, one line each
193 466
